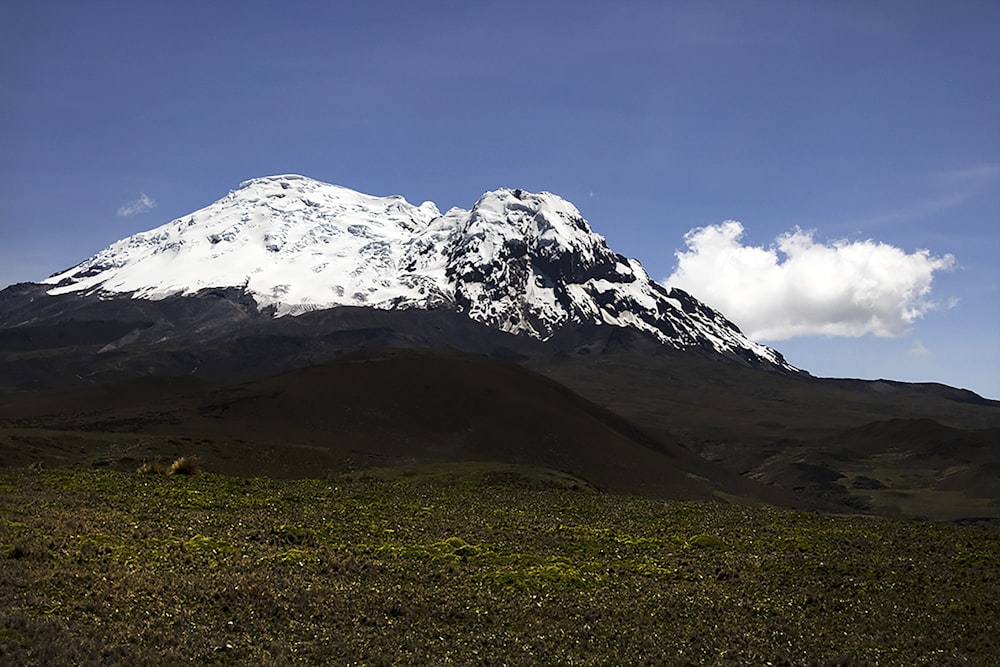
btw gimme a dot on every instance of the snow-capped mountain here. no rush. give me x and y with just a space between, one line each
519 262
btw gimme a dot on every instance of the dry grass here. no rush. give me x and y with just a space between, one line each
185 465
153 468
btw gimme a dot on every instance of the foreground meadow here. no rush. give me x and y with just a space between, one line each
468 565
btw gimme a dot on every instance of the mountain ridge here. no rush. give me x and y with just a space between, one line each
524 263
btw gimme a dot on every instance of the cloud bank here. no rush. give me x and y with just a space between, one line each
140 205
799 286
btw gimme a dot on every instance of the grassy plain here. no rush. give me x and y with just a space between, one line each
471 564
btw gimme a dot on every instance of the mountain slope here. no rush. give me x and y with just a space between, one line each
891 447
519 262
374 408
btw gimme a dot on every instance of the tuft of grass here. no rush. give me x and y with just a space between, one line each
185 465
153 468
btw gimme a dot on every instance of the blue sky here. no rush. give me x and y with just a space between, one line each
856 133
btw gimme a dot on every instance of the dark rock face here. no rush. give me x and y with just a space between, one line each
68 340
529 263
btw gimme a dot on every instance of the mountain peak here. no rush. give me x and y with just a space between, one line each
522 262
550 212
279 178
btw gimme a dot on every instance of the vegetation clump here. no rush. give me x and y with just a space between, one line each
153 468
103 567
185 465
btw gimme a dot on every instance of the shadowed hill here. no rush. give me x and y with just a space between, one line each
370 409
896 448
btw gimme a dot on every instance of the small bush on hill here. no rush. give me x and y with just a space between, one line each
153 468
185 465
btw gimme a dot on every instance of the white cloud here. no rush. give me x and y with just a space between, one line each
799 286
918 349
140 205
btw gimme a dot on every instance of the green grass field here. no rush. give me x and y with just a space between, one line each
471 565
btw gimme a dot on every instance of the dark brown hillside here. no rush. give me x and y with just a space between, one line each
369 409
896 448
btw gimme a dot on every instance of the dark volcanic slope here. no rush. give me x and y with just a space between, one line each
84 340
72 340
893 447
371 408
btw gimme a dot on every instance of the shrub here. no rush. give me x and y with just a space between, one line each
153 468
185 465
